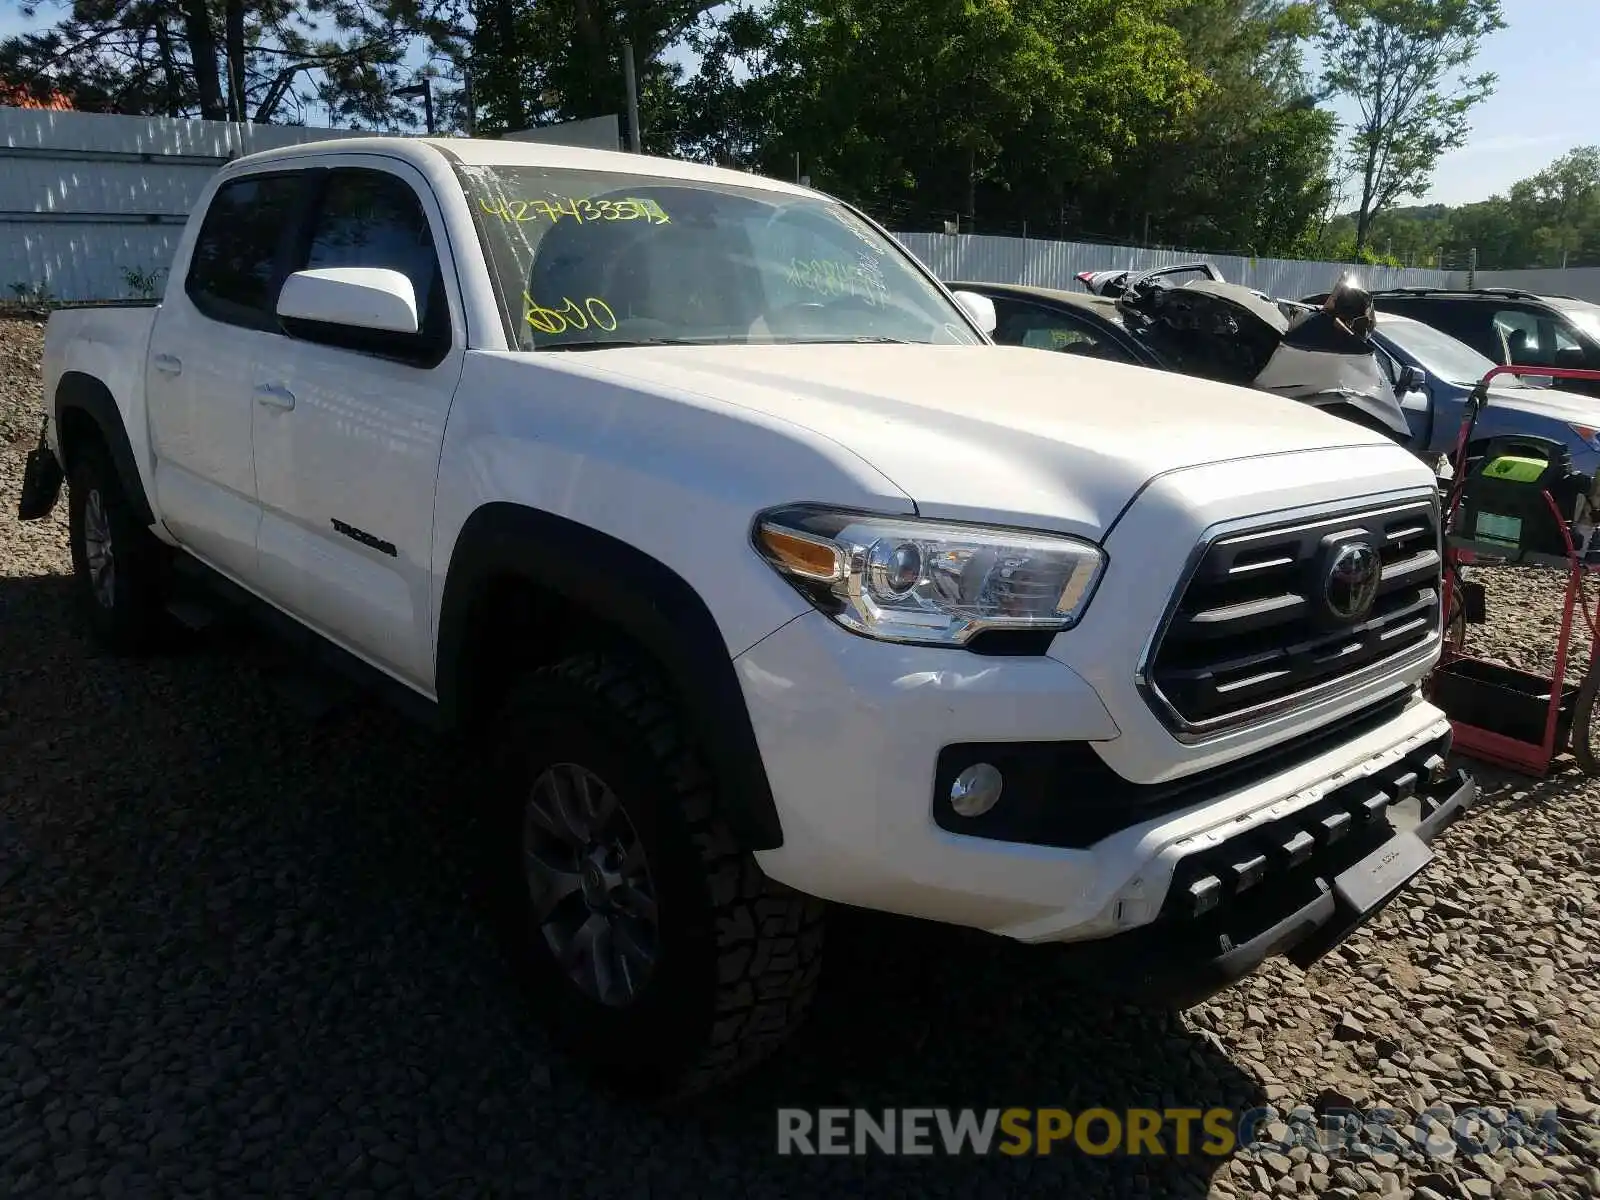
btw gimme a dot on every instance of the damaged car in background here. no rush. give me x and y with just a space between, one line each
1322 356
1426 375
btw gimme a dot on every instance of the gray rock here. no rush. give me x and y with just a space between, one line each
1349 1029
1277 1163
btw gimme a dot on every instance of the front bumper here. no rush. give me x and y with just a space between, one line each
851 733
1181 960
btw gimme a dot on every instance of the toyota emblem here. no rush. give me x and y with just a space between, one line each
1354 572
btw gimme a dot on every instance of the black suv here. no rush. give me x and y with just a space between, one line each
1507 325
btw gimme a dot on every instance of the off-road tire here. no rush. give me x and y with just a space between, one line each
739 953
129 616
1455 629
1581 740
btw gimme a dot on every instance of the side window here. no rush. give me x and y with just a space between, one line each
1519 334
1569 351
233 271
1021 324
373 219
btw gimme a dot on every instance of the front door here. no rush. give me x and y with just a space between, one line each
347 441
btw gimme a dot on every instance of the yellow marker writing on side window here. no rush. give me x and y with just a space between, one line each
569 314
557 208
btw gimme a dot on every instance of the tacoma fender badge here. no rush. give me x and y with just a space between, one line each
365 538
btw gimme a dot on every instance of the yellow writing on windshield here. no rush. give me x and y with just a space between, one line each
569 314
836 277
558 207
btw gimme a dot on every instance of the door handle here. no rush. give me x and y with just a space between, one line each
169 364
274 396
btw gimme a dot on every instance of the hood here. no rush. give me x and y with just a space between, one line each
997 433
1572 407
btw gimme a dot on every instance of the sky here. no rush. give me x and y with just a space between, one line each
1543 106
1544 103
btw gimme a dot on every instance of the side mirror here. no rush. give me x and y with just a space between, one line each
374 299
979 308
1571 357
1411 386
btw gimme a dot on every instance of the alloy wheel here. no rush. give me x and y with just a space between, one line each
589 884
97 549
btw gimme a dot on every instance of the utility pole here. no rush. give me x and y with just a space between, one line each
633 96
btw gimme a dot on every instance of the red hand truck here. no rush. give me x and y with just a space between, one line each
1502 715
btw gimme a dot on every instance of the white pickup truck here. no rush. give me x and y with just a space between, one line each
765 578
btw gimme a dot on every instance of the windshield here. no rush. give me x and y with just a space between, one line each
1439 354
594 259
1582 314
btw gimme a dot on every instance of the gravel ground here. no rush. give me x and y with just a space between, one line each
240 955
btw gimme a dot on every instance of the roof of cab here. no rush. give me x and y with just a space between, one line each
494 152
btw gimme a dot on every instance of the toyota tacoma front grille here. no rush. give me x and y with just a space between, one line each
1276 617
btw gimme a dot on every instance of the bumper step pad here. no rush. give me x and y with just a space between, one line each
1297 886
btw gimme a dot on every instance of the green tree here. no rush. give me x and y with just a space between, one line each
540 61
988 111
1248 170
1562 205
226 59
1400 62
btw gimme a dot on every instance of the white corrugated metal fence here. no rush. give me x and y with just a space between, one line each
86 197
981 259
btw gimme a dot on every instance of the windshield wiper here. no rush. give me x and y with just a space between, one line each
615 343
863 340
622 343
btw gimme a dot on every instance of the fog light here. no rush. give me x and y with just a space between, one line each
975 790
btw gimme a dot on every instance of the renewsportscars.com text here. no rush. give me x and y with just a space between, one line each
1338 1132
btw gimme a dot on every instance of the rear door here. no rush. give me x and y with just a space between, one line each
347 440
214 330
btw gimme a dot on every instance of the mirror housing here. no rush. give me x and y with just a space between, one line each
980 309
1412 379
373 299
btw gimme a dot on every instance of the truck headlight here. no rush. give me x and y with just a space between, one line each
937 583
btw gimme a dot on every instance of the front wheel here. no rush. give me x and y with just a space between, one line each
1582 740
656 949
